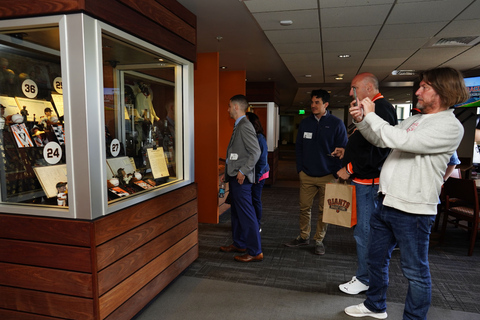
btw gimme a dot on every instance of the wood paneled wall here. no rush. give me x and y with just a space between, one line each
109 268
165 23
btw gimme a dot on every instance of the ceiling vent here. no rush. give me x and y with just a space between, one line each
456 41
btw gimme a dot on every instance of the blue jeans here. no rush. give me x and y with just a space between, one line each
257 199
365 206
389 226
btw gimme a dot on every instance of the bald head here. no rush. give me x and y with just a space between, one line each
366 85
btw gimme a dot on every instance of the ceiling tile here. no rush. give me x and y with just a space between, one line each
410 30
424 11
354 16
399 44
347 26
344 47
303 19
301 57
430 58
464 60
293 36
470 12
280 5
305 47
389 63
355 59
461 28
391 54
350 33
352 3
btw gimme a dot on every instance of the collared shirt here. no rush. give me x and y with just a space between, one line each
238 120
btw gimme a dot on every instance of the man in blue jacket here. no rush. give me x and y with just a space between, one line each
319 135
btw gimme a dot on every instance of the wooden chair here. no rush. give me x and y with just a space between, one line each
461 204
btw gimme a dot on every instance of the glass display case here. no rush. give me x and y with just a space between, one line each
32 118
140 111
91 118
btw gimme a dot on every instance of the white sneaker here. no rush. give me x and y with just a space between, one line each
360 310
353 286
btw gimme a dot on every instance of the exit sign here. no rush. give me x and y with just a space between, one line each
301 111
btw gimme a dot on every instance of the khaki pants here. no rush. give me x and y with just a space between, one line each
309 187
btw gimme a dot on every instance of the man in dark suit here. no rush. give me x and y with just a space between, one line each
242 154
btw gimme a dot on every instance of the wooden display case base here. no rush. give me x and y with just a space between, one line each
108 268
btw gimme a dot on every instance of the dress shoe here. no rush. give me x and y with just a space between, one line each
249 258
232 248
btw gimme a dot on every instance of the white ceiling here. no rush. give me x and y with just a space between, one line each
379 35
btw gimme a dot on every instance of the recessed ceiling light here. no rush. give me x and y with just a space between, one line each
339 76
286 22
404 72
308 76
223 67
344 56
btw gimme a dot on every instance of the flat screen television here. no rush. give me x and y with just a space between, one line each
473 86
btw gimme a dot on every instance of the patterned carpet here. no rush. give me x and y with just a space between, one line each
454 274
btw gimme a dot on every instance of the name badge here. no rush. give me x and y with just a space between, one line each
307 135
233 156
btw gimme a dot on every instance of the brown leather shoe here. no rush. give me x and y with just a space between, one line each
249 258
232 248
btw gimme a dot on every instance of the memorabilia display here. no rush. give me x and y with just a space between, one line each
21 135
58 102
10 105
158 162
119 192
50 176
59 133
36 108
139 108
62 194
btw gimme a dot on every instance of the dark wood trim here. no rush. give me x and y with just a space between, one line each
19 8
180 11
117 248
50 230
46 255
44 303
123 268
152 21
165 18
138 301
126 289
112 225
46 279
12 314
130 21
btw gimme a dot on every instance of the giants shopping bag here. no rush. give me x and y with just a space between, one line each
340 205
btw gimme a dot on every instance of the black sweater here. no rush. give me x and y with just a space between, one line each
365 159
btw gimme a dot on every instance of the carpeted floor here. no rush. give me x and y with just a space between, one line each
454 274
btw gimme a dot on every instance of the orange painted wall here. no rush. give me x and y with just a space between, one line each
206 99
231 83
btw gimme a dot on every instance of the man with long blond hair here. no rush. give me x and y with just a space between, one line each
410 184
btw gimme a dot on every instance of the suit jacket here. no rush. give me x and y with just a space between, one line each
243 151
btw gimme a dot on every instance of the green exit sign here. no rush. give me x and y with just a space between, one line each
301 111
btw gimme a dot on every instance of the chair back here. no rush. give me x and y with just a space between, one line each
461 204
461 191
